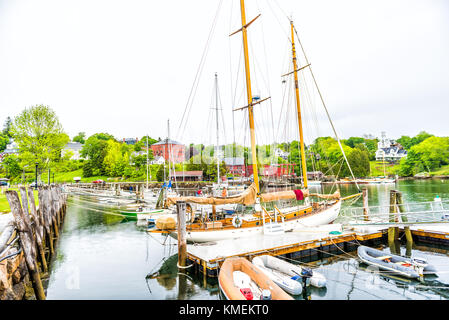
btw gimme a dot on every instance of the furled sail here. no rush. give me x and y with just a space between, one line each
248 197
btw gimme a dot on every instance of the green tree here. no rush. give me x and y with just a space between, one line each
428 155
12 166
353 141
95 150
405 141
4 140
80 138
358 159
39 135
7 127
116 158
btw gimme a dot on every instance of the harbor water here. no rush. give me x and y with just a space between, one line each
101 255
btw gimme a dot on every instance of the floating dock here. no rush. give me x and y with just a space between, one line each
307 245
437 233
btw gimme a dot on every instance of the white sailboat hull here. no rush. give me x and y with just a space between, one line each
326 216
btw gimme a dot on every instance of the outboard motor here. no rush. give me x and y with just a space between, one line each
266 295
306 274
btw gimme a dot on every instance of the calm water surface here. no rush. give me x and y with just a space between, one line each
103 256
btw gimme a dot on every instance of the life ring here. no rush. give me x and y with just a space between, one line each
237 222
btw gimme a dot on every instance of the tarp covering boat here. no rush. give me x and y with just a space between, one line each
408 267
248 197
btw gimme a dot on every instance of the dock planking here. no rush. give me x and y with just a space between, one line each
207 258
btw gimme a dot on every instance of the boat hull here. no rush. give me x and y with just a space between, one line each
290 269
372 257
326 216
232 292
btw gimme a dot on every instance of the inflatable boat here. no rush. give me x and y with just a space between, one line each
239 279
413 268
291 270
285 282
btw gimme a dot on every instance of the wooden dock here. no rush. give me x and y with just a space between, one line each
437 233
313 245
309 246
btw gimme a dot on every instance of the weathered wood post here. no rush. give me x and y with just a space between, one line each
365 204
182 233
408 233
38 229
51 202
23 226
44 208
393 232
56 210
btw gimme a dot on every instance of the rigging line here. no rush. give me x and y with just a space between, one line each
268 77
222 115
198 72
277 19
325 108
282 111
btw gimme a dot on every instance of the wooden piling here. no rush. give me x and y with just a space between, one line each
53 211
38 229
44 208
393 211
23 226
393 232
182 234
408 233
365 204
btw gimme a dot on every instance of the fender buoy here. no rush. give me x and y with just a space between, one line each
237 222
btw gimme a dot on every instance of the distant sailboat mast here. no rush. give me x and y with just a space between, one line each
147 161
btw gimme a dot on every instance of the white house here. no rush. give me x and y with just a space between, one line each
281 153
75 148
11 148
389 150
158 160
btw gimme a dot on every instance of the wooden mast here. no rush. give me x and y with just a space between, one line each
298 108
249 96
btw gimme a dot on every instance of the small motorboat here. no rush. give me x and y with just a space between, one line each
142 213
239 279
413 268
294 272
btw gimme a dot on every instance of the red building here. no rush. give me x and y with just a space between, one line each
273 170
236 166
170 150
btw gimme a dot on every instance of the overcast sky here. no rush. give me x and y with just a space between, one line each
125 67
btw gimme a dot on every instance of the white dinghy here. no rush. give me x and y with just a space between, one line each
286 283
291 270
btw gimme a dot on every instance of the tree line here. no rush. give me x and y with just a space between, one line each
41 140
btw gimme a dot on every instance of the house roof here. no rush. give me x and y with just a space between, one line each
74 146
164 141
188 174
240 161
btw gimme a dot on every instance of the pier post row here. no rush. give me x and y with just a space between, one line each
27 243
